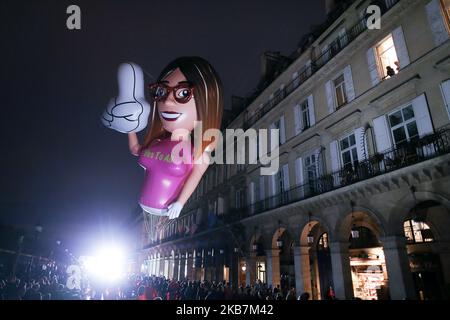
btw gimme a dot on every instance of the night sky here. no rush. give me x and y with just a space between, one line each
59 166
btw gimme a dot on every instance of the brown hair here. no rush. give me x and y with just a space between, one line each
208 97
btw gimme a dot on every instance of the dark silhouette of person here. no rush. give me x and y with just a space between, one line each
390 71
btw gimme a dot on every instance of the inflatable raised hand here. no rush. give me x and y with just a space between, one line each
129 111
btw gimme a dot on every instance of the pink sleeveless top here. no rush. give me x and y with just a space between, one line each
164 179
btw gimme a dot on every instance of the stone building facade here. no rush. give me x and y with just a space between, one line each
361 202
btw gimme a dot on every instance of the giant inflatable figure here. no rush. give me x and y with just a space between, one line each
188 93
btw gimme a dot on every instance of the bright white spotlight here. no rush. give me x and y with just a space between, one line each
108 264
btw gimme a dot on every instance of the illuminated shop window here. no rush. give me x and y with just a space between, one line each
387 57
417 232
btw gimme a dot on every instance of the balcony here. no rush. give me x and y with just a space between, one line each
401 156
335 48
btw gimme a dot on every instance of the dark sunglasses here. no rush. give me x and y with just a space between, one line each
182 93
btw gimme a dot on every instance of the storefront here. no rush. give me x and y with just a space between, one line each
369 274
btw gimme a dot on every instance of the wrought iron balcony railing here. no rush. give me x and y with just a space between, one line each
404 155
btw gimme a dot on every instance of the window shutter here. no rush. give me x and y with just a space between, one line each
299 174
400 47
373 67
251 195
445 88
330 96
262 189
312 116
299 171
272 127
361 144
382 133
297 119
286 177
436 21
349 87
282 130
334 153
422 115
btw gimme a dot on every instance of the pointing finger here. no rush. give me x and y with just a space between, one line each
131 81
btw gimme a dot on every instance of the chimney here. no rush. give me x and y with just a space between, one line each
329 6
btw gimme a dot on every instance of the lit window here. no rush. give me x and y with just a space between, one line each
349 153
323 242
341 95
417 232
403 125
446 8
387 57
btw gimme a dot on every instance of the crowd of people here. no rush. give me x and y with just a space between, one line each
50 281
51 284
160 288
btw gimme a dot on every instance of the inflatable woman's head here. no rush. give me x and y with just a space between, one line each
173 107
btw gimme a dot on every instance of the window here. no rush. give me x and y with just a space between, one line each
310 163
239 199
349 153
445 90
280 181
341 95
261 189
403 125
213 207
305 115
387 57
216 178
323 242
445 4
261 272
279 125
257 195
417 232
